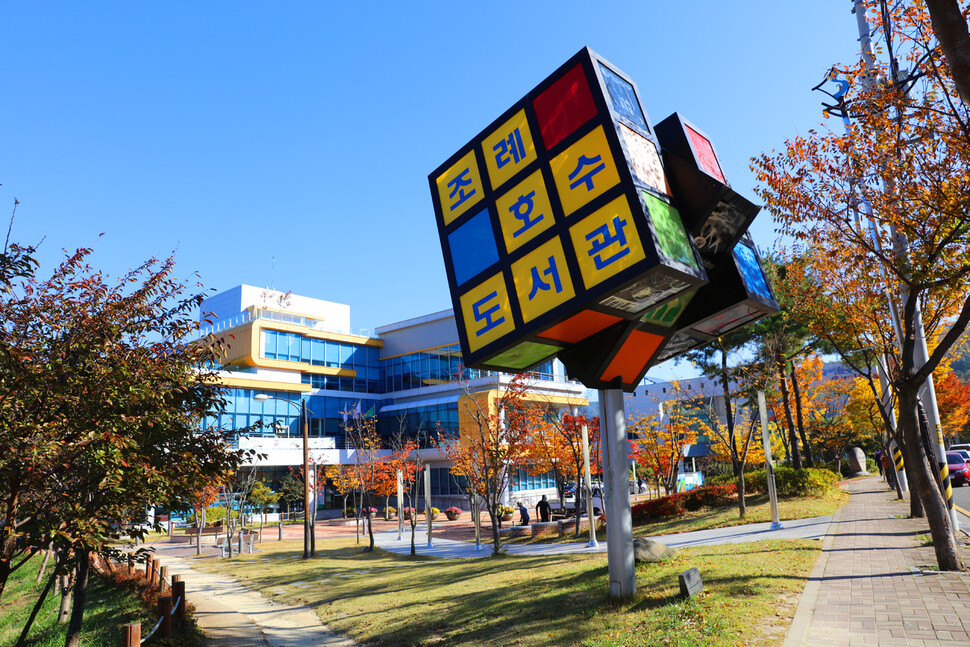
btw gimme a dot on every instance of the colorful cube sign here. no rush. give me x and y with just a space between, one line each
737 295
715 214
556 222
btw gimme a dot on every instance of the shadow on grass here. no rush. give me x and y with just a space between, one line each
389 599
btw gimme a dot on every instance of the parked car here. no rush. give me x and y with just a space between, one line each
959 469
958 446
963 452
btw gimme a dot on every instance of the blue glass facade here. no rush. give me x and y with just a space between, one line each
421 422
295 347
436 366
325 412
522 480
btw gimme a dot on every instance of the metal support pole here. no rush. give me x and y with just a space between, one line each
769 464
279 528
239 542
400 505
307 528
619 524
588 485
927 394
477 518
427 501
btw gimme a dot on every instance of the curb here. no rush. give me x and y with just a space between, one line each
806 604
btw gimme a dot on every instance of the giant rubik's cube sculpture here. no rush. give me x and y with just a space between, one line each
570 227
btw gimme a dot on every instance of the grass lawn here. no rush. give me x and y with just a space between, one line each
108 608
750 593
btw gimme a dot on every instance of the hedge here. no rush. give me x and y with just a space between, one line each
811 481
676 505
214 514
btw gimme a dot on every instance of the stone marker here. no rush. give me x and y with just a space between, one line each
690 583
648 550
857 461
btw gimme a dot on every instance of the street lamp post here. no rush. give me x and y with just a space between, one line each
309 549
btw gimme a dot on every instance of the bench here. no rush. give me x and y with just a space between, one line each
249 539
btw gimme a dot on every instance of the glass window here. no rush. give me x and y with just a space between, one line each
294 347
318 355
269 344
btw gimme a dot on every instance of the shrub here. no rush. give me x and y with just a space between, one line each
214 515
811 481
710 496
720 479
667 506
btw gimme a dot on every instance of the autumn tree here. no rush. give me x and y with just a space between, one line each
201 499
262 498
101 405
953 399
891 197
291 490
361 431
492 443
661 438
720 361
737 439
344 480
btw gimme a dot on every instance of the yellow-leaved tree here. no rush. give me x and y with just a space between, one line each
662 437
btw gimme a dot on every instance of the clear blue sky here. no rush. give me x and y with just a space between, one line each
238 133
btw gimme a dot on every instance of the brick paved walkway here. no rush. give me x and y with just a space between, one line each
867 588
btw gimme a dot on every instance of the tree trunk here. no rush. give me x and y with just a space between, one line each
796 460
43 564
80 598
806 446
496 539
951 29
729 417
64 612
742 506
924 484
915 503
370 527
37 605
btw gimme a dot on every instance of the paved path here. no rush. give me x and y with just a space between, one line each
813 528
233 615
867 587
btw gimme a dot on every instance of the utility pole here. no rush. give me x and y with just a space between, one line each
927 394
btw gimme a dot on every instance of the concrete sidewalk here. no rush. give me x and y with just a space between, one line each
875 585
813 528
233 615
